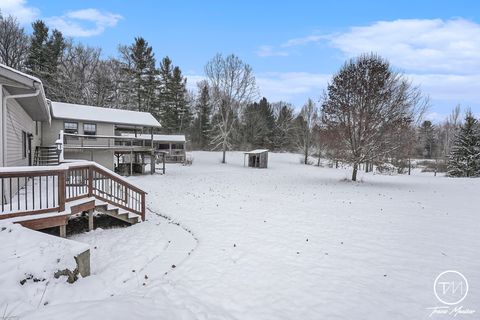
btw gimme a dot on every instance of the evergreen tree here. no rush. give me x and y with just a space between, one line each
465 156
44 57
144 74
202 126
173 107
428 139
284 127
258 125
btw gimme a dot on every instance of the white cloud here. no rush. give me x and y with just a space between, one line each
19 9
268 51
305 40
73 23
292 86
443 46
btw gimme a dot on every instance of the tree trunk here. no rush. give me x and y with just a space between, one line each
318 163
306 158
224 152
354 173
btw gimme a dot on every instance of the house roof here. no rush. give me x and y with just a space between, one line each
159 137
19 83
70 111
257 151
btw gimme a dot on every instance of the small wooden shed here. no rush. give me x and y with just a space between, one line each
256 158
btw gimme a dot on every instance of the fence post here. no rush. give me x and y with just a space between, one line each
90 181
143 206
61 190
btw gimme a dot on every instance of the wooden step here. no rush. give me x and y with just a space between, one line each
117 213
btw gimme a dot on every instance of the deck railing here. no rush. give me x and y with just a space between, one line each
80 141
35 190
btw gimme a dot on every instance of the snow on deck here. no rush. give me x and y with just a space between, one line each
61 110
158 137
292 242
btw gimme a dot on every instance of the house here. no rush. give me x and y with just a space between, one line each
96 134
257 158
57 159
23 109
173 145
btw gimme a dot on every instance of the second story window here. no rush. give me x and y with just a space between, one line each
90 129
70 127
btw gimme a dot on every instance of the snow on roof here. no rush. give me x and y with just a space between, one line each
159 137
256 151
61 110
20 73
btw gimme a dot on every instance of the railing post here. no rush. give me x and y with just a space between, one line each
90 181
61 190
143 206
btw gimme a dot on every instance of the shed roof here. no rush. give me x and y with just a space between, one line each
256 151
159 137
61 110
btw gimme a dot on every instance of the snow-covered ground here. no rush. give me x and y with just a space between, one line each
287 242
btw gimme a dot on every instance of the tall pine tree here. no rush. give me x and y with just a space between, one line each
202 125
465 156
137 81
44 58
173 107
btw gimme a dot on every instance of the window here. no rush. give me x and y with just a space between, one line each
24 144
90 129
70 127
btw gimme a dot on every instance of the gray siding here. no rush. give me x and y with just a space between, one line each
51 131
17 120
103 157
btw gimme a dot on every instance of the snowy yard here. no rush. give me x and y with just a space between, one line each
287 242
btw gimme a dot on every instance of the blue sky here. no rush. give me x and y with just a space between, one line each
293 47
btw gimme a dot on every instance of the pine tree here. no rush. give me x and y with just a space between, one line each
173 107
144 74
202 125
44 58
284 127
465 156
258 125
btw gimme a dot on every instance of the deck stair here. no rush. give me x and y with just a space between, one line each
117 213
46 156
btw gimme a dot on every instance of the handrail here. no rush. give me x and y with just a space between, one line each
64 183
101 136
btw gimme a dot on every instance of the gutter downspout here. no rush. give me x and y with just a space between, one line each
4 113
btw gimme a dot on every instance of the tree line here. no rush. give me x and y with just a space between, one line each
369 115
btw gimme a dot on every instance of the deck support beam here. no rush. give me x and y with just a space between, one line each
90 220
63 231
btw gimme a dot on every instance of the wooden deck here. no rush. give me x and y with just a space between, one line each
44 197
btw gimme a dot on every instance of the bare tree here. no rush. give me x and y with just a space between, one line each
232 86
368 106
305 124
77 70
13 43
